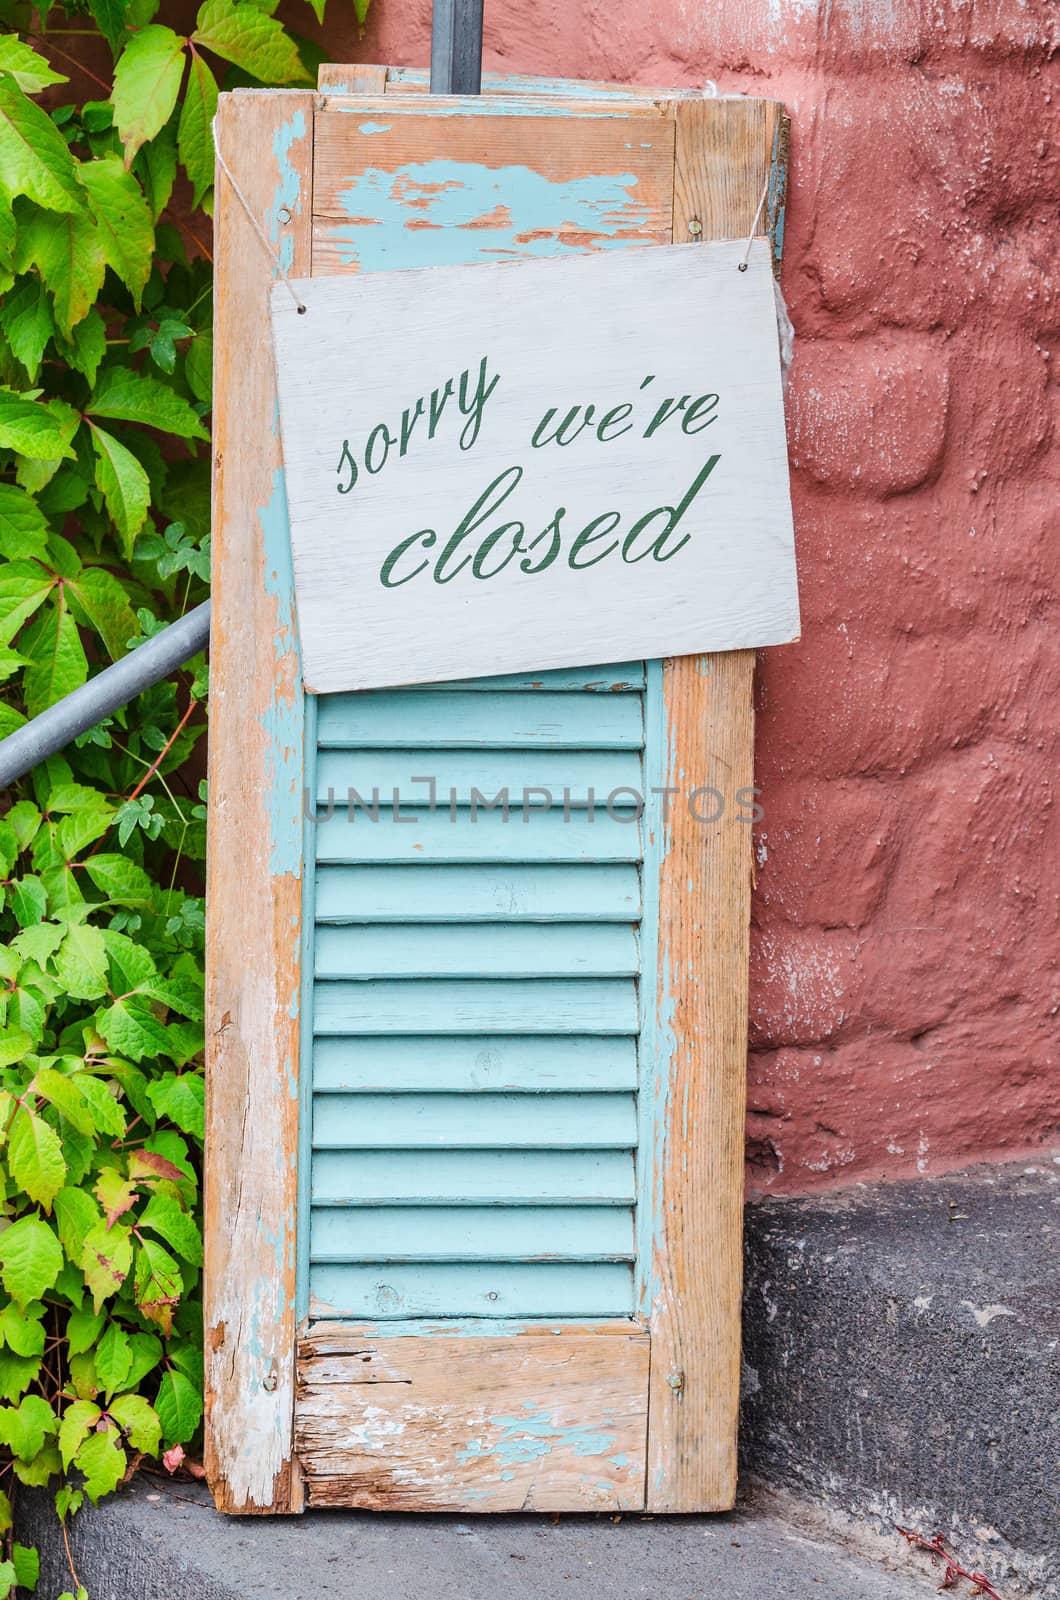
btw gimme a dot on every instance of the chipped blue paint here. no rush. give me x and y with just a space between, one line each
369 128
562 88
448 213
778 174
305 1045
529 1437
283 720
503 106
287 196
657 1037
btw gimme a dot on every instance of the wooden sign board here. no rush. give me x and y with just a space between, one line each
563 461
475 1090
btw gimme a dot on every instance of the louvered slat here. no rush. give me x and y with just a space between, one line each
418 893
499 1062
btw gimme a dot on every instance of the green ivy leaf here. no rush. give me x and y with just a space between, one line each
146 1354
139 1420
83 1328
57 656
24 1428
14 1044
84 351
113 1358
250 39
26 318
78 1418
133 1030
179 1407
106 1109
110 18
198 367
131 965
158 1284
35 1157
31 1259
105 1258
103 1462
146 85
23 1331
81 962
121 880
126 228
32 429
34 159
30 71
16 1374
76 1215
106 607
26 1562
125 396
68 253
164 1216
156 168
23 527
180 1097
24 587
124 486
195 130
65 1095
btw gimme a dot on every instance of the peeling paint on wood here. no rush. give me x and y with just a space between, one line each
254 863
529 1422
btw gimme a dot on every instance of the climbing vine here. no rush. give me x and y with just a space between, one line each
105 368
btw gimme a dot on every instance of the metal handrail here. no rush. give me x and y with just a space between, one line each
115 686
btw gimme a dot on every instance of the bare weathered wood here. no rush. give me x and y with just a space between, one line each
421 147
355 78
722 163
254 863
551 1421
359 78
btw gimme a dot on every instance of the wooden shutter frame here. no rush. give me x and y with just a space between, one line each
690 1200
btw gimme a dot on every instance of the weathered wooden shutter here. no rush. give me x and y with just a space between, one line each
475 1124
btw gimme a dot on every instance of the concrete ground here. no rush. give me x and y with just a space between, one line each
164 1541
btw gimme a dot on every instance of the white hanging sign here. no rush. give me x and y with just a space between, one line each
549 463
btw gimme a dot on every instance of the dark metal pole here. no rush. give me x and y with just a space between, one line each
115 686
456 47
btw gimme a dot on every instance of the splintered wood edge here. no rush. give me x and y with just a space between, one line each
474 1422
254 848
722 163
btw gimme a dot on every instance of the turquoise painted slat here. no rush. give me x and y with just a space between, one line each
536 1005
350 837
426 893
501 1063
448 720
504 83
456 773
472 1233
487 1121
477 1289
431 1178
622 676
478 950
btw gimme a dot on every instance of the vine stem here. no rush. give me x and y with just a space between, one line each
954 1569
69 1555
78 65
153 768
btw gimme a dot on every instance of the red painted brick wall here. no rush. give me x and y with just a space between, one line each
903 1004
